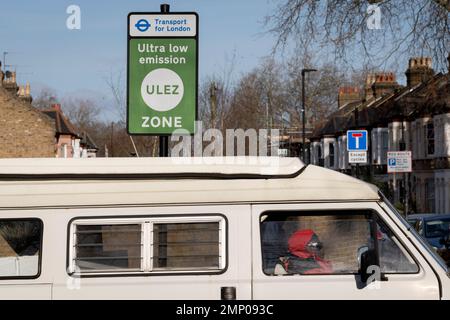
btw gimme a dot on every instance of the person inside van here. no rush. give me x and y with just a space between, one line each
305 255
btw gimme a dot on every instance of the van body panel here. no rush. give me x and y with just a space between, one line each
158 286
24 290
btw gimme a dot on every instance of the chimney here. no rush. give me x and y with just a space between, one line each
370 80
2 75
24 93
56 107
448 60
9 82
383 83
348 95
419 70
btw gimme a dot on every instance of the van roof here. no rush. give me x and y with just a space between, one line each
211 167
149 181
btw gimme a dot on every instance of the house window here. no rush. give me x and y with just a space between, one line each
148 245
430 138
63 151
430 195
331 154
320 155
20 247
384 146
328 242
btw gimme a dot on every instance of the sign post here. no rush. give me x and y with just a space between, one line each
162 75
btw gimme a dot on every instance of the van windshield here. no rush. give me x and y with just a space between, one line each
414 233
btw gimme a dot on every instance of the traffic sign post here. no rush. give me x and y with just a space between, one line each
162 73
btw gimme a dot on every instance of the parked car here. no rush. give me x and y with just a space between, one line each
435 228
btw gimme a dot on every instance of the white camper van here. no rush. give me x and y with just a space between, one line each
209 228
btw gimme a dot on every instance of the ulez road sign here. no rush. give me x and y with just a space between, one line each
162 73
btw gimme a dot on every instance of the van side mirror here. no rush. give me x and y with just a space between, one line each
366 258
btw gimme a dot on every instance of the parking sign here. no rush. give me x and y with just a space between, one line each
357 140
399 161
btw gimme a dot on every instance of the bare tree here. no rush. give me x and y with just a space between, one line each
419 27
125 144
45 99
83 113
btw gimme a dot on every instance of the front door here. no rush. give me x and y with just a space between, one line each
315 251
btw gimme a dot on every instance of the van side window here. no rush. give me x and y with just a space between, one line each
20 247
147 245
108 247
186 245
324 242
393 257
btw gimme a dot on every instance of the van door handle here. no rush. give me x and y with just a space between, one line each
228 293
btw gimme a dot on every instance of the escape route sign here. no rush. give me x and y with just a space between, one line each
162 73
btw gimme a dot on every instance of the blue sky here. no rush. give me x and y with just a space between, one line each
76 62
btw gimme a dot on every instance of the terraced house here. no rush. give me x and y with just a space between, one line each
26 132
414 117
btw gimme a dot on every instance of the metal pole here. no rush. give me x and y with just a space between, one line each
303 118
164 140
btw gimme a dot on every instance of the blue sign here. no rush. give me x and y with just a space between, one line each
392 162
142 25
357 140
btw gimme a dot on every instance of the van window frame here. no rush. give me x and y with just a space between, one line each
349 211
41 248
414 232
154 218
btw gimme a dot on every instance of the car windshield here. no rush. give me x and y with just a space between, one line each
437 228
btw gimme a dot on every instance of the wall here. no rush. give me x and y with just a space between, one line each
24 131
64 139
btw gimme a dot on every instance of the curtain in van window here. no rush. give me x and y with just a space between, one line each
108 247
186 246
20 247
327 242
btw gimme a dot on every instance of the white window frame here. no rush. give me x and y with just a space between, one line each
147 243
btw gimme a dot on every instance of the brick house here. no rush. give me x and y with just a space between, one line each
415 117
26 132
71 142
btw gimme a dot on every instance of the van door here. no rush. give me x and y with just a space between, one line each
21 276
316 251
167 252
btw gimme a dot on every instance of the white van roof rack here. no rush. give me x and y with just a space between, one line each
151 168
